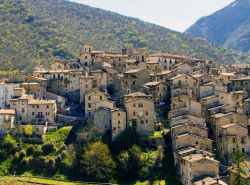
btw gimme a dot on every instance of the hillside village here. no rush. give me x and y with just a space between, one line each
205 106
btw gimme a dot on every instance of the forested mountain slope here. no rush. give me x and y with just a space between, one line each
36 32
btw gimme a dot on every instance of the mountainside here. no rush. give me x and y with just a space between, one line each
34 32
229 26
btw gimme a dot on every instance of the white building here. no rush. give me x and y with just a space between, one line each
6 93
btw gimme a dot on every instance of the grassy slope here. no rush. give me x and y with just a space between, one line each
36 32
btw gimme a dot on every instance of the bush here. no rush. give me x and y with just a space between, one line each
30 150
48 148
22 154
97 162
25 162
38 152
3 155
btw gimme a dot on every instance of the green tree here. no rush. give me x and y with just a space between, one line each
97 162
240 167
28 130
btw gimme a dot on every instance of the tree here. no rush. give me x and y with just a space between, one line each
28 130
240 167
125 140
47 148
97 162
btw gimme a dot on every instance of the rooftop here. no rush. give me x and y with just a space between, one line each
197 157
167 55
209 181
7 111
133 71
41 102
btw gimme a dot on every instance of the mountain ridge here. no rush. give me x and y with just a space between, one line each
229 26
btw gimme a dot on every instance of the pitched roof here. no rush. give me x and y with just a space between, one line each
41 102
167 55
7 111
133 71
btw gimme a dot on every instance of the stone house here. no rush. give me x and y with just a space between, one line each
209 181
33 88
110 121
30 110
183 68
226 78
164 76
189 128
140 115
92 97
86 84
229 135
158 90
100 78
37 129
189 139
86 55
240 84
245 177
133 80
137 95
119 122
183 84
194 166
7 120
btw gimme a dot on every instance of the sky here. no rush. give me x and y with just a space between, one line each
174 14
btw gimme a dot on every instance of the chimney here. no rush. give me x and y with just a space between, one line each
197 149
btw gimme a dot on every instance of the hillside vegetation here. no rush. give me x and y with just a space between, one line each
36 32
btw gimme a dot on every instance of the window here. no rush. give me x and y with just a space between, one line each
37 130
100 97
114 128
147 113
119 122
146 121
234 140
37 106
134 105
33 113
134 113
142 122
243 150
119 114
47 106
89 105
242 139
86 57
23 110
89 98
140 105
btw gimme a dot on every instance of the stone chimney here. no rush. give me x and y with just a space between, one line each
197 149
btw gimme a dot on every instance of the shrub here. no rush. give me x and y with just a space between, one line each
48 148
22 154
24 163
3 154
30 150
38 152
